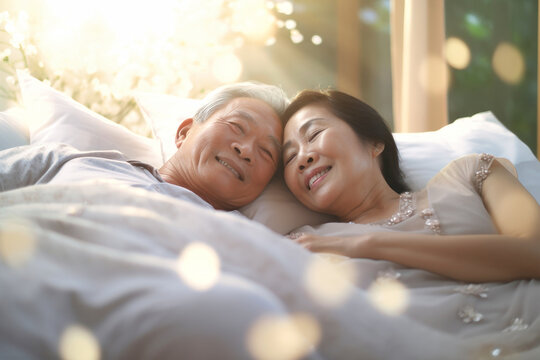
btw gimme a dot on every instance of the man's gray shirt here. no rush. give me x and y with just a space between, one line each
55 163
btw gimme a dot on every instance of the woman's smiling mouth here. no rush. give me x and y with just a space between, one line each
316 175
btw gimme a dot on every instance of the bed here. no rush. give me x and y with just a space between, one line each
97 270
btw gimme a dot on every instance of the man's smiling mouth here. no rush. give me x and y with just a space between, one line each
233 170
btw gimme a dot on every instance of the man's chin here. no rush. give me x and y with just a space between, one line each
230 203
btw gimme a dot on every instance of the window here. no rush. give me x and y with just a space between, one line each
502 36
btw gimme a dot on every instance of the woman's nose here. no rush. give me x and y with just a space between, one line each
305 162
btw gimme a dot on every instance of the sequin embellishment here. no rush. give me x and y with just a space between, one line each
388 274
496 352
483 170
478 290
469 315
431 221
407 207
517 325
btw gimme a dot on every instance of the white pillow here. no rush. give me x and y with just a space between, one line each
13 128
164 113
55 117
422 156
279 210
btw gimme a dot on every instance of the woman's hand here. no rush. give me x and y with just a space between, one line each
353 246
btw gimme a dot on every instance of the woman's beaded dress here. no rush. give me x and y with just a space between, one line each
502 317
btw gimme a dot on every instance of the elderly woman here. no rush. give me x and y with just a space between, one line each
473 221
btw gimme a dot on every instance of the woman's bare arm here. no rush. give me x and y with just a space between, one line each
512 254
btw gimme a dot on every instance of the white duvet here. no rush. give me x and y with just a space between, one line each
103 258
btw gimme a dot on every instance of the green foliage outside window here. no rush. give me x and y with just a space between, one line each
483 25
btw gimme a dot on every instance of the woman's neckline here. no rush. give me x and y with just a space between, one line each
406 209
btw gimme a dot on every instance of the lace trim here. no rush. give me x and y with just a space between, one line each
483 170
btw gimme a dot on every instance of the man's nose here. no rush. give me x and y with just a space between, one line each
244 150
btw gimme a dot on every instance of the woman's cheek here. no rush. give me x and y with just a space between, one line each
290 179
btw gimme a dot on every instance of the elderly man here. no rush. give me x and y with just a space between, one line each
231 148
227 153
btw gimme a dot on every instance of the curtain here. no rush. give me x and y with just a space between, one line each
420 76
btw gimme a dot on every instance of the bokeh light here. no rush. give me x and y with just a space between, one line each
283 337
434 75
199 266
290 24
508 63
296 36
17 242
271 41
389 295
316 40
457 53
78 343
327 283
285 7
227 68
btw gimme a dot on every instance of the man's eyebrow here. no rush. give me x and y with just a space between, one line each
244 115
303 129
247 116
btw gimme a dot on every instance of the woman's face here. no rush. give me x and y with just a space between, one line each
324 160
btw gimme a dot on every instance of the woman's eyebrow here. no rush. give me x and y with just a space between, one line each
303 129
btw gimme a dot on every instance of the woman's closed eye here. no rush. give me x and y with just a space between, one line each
314 134
288 158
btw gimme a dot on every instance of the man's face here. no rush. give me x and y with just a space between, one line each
232 156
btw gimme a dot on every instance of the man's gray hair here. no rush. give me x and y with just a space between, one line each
220 97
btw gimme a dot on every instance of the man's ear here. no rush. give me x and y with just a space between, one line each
182 132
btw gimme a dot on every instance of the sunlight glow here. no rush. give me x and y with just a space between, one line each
252 18
283 338
457 53
17 29
17 242
199 266
389 296
130 42
227 68
78 343
508 63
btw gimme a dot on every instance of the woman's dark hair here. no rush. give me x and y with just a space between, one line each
366 122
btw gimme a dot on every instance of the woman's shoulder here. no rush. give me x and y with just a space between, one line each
472 169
